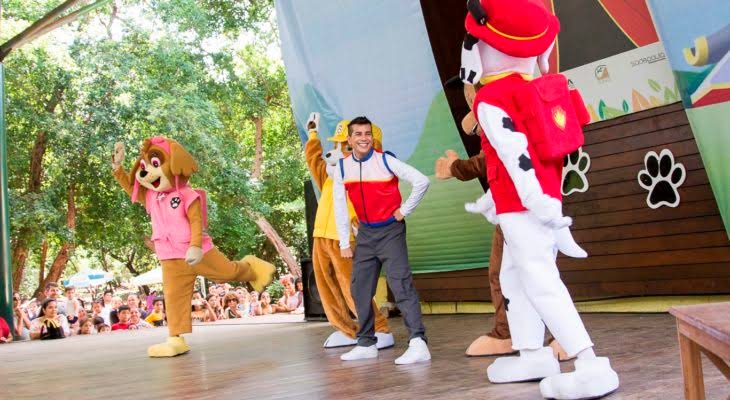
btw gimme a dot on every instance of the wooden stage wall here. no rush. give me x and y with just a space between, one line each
633 249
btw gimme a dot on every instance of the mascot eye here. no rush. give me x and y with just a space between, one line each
142 165
155 162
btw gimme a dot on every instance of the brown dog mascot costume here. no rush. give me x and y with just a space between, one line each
498 340
159 182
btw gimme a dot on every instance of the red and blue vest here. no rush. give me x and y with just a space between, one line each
372 188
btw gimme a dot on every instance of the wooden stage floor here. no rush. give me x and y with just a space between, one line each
286 361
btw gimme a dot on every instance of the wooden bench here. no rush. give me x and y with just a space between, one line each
703 328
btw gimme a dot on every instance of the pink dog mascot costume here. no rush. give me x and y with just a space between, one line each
529 126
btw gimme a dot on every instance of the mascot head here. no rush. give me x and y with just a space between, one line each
340 148
163 165
506 36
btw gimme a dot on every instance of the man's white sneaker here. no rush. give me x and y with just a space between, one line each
417 352
385 340
592 379
528 366
360 353
338 339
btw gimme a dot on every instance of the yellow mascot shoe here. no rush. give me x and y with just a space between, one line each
263 271
489 346
175 345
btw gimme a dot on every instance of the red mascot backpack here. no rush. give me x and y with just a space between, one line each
553 116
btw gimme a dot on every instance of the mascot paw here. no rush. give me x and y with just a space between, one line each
339 339
592 379
559 352
489 346
263 272
443 165
174 346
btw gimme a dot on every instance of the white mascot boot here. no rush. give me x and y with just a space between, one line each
593 378
338 339
530 365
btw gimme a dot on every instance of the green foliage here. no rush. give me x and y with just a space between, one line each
276 290
145 81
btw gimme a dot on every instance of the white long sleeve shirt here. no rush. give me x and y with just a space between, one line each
378 167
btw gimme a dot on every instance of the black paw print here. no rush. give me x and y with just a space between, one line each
175 202
661 177
575 167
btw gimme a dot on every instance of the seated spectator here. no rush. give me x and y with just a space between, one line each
32 309
81 313
98 322
124 315
104 328
202 311
86 327
6 335
150 300
289 301
133 304
215 304
136 321
157 316
255 303
97 310
49 324
299 285
266 307
231 310
244 305
114 313
51 291
72 307
21 323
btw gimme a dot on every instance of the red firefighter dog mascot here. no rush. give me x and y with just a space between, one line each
159 182
528 126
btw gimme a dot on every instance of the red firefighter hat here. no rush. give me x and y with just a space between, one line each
519 28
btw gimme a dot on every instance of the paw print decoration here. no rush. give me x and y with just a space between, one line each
175 202
661 176
575 166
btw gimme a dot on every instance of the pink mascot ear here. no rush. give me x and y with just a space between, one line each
135 191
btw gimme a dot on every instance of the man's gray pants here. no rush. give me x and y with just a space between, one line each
384 247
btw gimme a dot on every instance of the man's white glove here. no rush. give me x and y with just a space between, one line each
313 122
548 210
485 206
194 255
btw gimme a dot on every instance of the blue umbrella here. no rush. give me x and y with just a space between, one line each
90 277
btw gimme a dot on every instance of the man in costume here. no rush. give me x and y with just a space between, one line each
528 127
331 271
159 182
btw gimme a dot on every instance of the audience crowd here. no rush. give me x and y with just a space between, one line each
62 315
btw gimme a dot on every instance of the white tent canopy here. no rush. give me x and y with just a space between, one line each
150 277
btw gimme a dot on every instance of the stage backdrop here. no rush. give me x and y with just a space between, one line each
347 58
696 35
609 50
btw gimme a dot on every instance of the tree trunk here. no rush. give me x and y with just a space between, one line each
259 155
42 264
61 260
279 244
20 251
20 256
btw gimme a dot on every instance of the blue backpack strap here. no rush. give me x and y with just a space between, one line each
385 160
